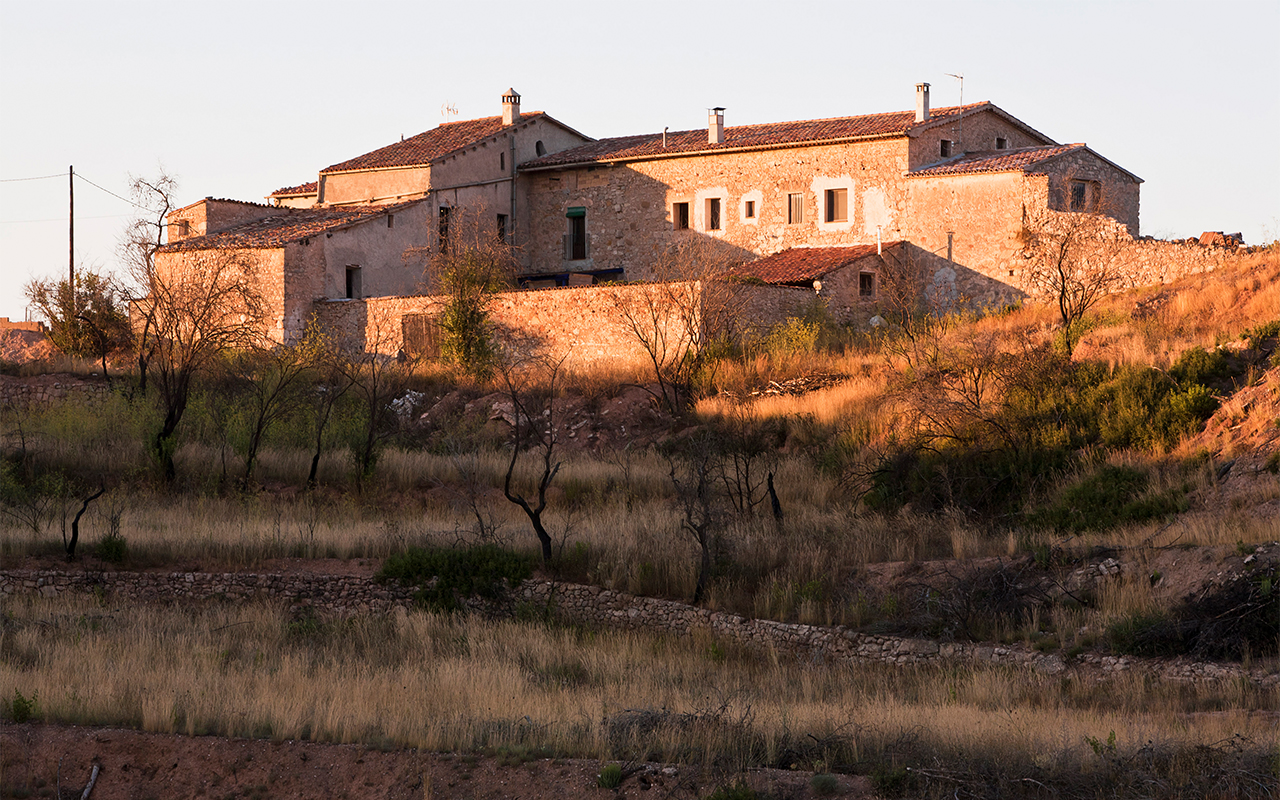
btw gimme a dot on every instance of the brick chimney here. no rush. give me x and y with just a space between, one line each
510 107
922 102
715 125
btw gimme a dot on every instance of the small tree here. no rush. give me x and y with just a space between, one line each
688 305
531 387
1074 256
95 324
469 266
201 304
273 377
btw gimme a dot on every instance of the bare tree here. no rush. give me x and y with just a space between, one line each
688 305
273 376
531 387
375 380
1074 256
199 304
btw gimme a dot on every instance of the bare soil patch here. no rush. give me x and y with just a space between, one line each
134 765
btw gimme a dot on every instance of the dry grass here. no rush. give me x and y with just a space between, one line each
441 683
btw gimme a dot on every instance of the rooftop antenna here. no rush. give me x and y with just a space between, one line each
960 78
448 110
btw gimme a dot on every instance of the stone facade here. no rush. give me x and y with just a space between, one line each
47 389
596 607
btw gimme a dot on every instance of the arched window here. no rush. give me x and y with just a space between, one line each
539 148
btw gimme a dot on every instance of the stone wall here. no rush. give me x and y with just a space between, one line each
45 389
595 607
584 324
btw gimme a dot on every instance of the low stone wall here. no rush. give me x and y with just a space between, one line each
592 606
46 389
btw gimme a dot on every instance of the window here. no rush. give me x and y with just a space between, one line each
750 210
539 148
1084 196
353 283
945 148
502 227
680 216
442 228
1002 143
502 162
713 213
795 208
837 205
575 241
181 229
391 220
866 284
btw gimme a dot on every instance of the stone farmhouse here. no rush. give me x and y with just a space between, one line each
801 210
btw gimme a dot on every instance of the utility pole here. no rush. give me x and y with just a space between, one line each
71 244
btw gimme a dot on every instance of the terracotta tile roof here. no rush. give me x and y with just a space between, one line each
747 137
805 264
996 160
289 226
427 147
289 191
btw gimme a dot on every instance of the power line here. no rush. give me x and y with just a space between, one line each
113 194
35 178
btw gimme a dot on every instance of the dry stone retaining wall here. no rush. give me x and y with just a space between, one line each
48 389
343 595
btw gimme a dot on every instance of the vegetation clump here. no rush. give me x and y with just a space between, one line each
447 576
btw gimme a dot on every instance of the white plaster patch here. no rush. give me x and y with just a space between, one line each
820 185
875 211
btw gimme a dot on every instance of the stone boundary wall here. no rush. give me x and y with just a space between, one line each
342 595
1156 261
47 389
583 323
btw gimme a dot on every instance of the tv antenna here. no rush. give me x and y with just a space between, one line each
960 78
448 111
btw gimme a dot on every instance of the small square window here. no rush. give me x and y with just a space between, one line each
680 216
713 213
1082 198
945 148
1002 143
795 208
750 210
866 284
837 205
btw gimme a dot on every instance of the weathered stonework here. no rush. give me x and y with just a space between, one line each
593 606
47 389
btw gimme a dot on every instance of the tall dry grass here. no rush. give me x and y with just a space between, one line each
463 683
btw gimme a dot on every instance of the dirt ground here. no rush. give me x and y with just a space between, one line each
35 760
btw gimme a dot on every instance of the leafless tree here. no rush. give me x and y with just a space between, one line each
273 376
1074 257
198 304
531 385
688 304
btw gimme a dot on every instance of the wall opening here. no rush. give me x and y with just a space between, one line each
353 282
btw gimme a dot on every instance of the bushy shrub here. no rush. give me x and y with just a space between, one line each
1111 496
446 576
610 776
112 548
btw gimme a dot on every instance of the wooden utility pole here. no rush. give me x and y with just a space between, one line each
71 244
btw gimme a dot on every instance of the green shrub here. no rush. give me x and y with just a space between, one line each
458 573
610 776
824 784
1197 366
1147 634
112 548
23 708
891 781
1112 496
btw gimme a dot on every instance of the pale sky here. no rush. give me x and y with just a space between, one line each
237 99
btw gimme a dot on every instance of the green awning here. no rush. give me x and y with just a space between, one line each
576 211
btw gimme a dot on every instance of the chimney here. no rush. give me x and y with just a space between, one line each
922 102
715 125
510 107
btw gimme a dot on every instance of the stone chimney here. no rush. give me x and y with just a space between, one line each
715 125
922 102
510 107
